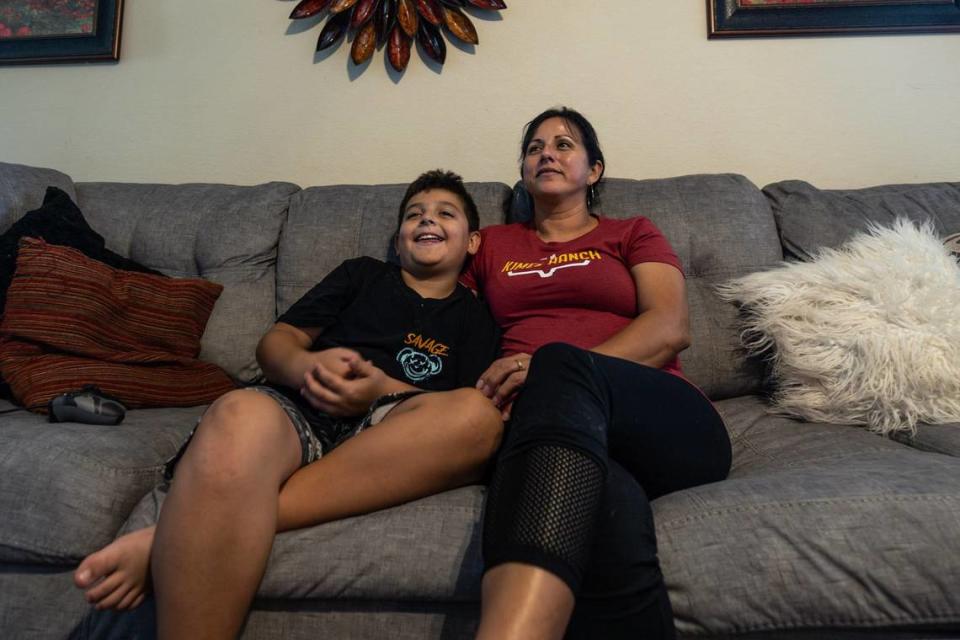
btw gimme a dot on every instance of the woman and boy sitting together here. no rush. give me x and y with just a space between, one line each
388 383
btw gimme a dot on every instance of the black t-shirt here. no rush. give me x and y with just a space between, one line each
432 344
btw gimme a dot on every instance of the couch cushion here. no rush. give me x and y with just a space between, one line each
40 602
937 438
66 488
379 556
721 227
22 189
227 234
809 218
327 225
818 526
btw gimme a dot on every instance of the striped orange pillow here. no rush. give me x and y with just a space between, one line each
71 320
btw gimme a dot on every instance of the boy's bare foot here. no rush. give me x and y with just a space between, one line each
116 577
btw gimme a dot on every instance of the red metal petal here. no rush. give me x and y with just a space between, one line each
407 16
398 51
492 5
363 12
364 44
307 8
334 29
384 19
460 25
339 6
432 42
431 11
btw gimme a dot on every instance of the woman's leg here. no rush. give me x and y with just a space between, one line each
523 601
575 406
544 500
622 594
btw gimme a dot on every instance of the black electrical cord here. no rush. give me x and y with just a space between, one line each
15 409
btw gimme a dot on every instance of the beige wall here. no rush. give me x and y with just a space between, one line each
229 91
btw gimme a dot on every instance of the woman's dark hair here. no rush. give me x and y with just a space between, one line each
449 181
588 137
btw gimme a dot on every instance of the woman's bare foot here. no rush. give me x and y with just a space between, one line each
116 577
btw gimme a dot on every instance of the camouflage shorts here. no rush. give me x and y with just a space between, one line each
320 435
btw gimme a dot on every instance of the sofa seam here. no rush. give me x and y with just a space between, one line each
743 440
100 466
917 444
797 504
794 464
849 622
35 549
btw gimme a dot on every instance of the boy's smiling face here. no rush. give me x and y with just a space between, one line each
434 235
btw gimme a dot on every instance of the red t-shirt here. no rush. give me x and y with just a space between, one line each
580 292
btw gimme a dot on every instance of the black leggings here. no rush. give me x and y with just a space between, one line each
591 441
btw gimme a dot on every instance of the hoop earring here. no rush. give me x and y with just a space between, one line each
591 197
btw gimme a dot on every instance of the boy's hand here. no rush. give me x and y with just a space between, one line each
336 360
348 393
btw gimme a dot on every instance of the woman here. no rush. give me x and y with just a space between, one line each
594 313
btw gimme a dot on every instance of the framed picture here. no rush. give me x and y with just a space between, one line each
51 31
753 18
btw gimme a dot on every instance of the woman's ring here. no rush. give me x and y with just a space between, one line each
519 364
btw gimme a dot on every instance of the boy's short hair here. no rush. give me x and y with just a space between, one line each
449 181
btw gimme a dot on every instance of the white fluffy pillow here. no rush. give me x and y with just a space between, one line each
866 334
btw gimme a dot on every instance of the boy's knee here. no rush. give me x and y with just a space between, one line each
234 432
241 410
476 419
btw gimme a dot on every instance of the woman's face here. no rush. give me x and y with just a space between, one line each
555 163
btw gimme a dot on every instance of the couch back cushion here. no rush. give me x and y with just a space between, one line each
721 227
226 234
810 219
327 225
22 189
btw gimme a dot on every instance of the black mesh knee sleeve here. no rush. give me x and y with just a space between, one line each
542 509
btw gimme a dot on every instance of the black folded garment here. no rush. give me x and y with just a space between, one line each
58 221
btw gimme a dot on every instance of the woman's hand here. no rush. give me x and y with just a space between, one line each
347 387
503 379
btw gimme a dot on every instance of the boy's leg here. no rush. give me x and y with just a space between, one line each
429 443
116 576
217 525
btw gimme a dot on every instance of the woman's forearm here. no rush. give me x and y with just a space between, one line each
662 328
652 339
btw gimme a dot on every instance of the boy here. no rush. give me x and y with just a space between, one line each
359 348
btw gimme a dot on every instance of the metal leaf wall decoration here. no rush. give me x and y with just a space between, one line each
395 24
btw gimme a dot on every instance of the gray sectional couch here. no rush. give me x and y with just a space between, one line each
821 531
